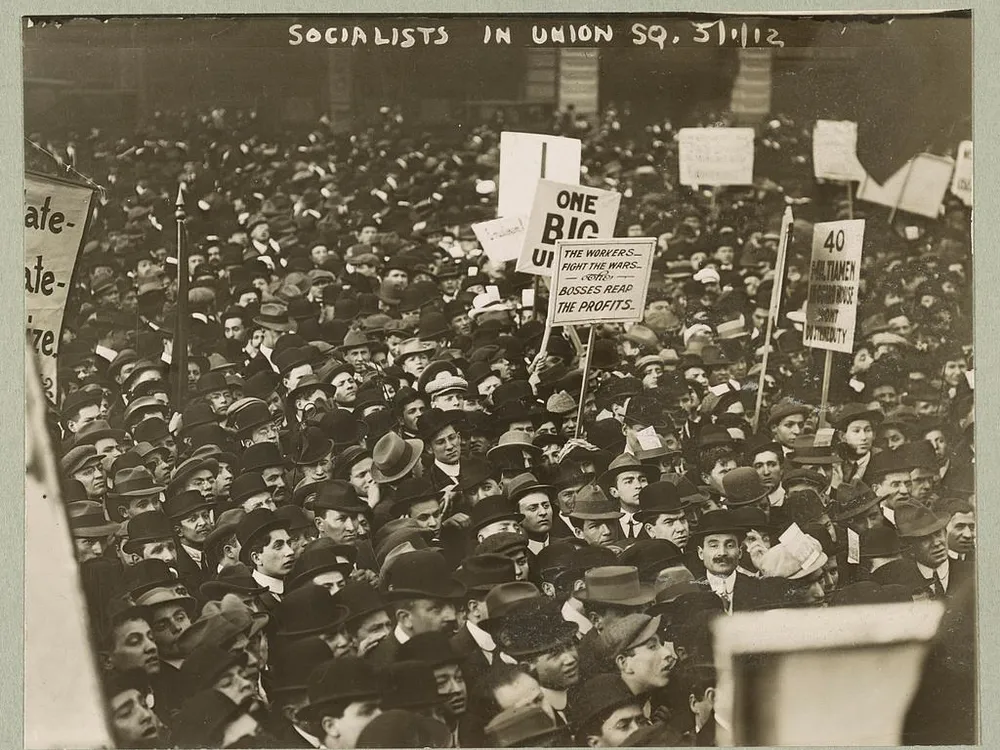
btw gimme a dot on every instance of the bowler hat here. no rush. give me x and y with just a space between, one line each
881 541
291 662
233 579
743 486
321 556
657 498
525 484
718 522
597 698
308 610
87 520
409 685
260 456
255 524
433 421
501 599
336 494
615 584
360 599
247 485
188 468
413 490
311 383
914 519
400 728
249 416
339 681
203 718
151 526
491 509
852 412
183 504
889 462
421 574
393 457
480 573
212 381
433 649
473 472
533 625
650 556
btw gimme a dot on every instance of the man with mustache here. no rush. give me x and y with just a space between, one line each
718 543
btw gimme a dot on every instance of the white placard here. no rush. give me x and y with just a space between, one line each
565 212
601 281
835 151
918 187
834 276
716 156
961 180
527 157
501 239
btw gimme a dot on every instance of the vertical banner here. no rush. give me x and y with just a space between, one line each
55 216
715 156
600 281
565 212
527 157
961 180
834 276
835 151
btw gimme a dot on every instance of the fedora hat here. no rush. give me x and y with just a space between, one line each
525 484
851 499
433 421
627 462
182 505
87 520
308 610
339 681
212 381
309 383
413 490
615 584
890 462
659 497
743 486
393 457
650 556
492 509
914 519
151 526
592 504
534 625
135 481
316 447
421 574
274 317
480 573
188 468
206 663
97 430
411 347
247 485
501 599
525 726
361 599
513 441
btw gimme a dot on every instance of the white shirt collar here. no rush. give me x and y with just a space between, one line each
777 498
555 698
401 635
537 547
720 585
571 614
275 585
307 737
623 522
105 352
194 554
942 570
483 639
451 470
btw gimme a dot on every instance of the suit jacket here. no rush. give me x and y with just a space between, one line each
438 479
282 730
594 657
744 589
385 652
474 663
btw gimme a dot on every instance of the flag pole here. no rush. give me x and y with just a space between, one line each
772 313
586 376
179 351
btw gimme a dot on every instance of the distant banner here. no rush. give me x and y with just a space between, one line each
961 180
834 276
565 212
527 157
715 156
835 151
918 187
600 281
55 216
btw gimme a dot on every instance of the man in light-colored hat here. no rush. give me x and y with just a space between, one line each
594 517
447 392
413 357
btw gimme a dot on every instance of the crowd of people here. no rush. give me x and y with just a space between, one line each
379 516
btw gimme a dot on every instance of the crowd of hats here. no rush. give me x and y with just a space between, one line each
366 426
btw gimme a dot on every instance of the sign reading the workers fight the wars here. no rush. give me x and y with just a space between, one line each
55 216
600 281
527 157
834 276
961 180
715 156
565 212
835 151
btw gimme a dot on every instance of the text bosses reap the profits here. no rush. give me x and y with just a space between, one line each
600 281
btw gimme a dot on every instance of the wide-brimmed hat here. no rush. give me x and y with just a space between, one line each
393 457
913 519
273 316
135 481
421 574
657 498
851 499
501 599
410 347
525 484
615 584
87 520
534 625
480 573
627 462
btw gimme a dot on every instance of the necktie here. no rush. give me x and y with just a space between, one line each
938 585
850 470
631 529
727 600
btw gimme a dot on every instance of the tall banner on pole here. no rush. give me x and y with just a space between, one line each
55 217
834 276
527 157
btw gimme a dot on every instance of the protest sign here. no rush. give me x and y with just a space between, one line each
715 156
527 157
501 239
918 187
835 151
600 281
961 180
565 212
834 274
55 217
